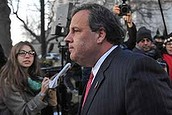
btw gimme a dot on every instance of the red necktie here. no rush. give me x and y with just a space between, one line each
88 87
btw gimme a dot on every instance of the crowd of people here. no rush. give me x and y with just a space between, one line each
156 47
130 77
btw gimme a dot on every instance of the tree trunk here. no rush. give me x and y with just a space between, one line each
5 35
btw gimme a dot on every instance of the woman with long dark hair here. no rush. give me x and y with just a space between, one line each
21 90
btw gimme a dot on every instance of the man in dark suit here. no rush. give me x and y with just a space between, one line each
124 83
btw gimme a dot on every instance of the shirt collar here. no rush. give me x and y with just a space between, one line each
101 60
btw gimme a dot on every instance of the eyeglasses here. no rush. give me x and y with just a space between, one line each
23 53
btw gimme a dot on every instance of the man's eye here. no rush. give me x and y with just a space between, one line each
75 30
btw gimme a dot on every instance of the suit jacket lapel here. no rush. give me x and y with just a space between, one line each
94 88
97 82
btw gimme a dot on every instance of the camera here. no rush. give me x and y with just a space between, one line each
124 8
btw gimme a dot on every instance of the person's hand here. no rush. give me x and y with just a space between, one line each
116 9
52 97
128 19
45 84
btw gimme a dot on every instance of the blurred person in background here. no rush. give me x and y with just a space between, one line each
158 41
144 43
21 90
167 53
131 28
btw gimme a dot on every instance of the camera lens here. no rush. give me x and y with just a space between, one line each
124 10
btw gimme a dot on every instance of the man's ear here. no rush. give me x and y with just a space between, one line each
101 35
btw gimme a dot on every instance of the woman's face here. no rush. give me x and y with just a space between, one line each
169 47
25 56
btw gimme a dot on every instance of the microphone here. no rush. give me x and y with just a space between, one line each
53 81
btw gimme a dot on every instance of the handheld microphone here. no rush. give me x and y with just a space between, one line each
53 82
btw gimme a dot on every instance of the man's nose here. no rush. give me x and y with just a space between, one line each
145 42
67 39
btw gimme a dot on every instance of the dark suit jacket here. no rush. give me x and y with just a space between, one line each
129 84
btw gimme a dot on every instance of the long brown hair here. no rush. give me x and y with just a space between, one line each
13 73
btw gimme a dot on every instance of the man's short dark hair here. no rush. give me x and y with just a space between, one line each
101 17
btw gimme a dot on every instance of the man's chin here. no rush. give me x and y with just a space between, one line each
73 57
146 49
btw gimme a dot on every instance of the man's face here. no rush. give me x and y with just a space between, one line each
145 44
81 40
159 40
